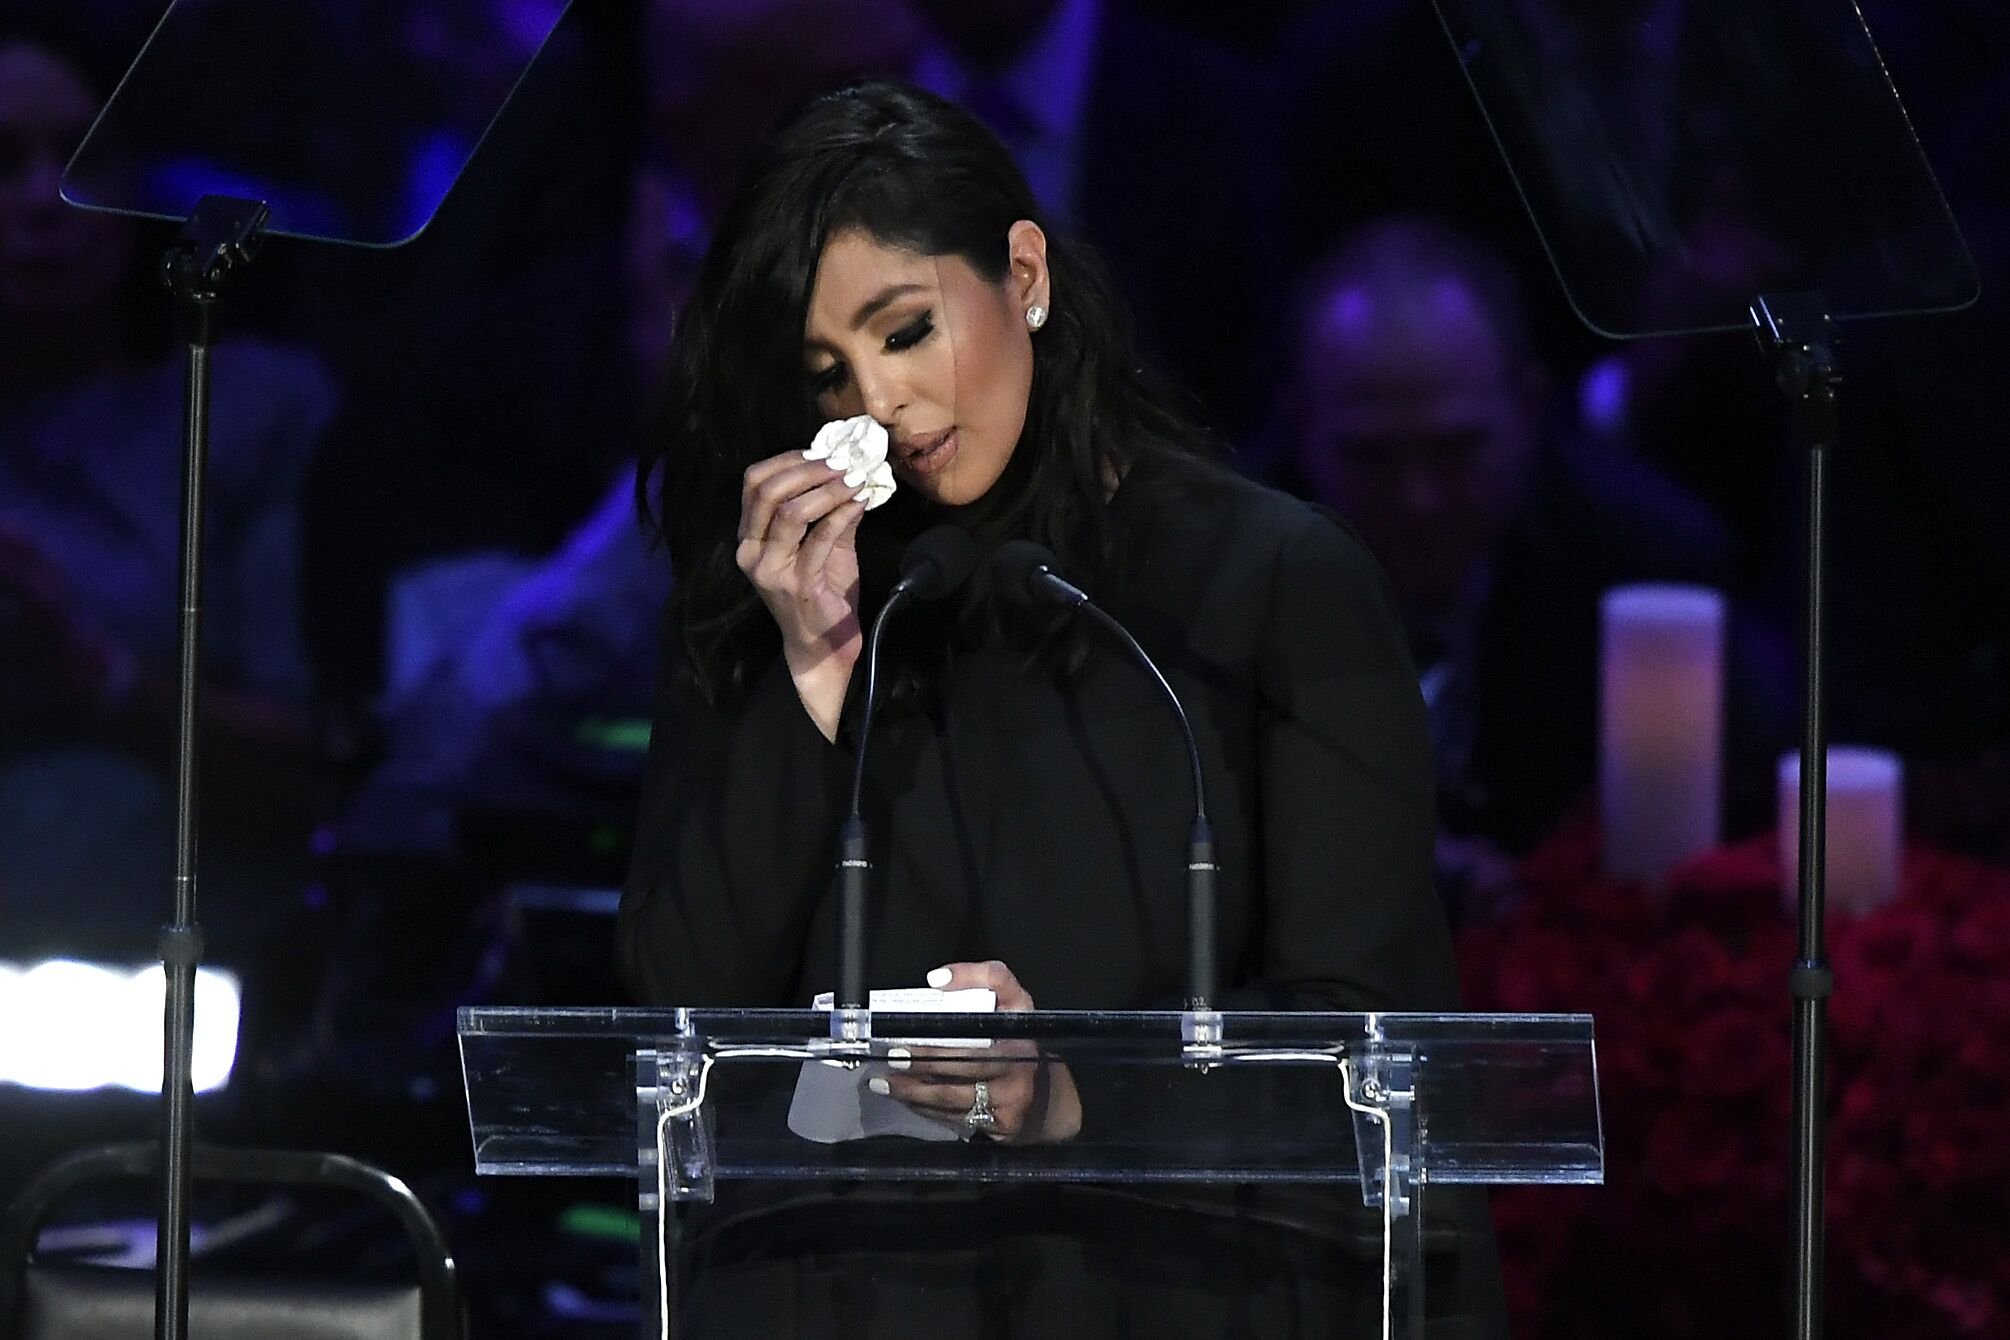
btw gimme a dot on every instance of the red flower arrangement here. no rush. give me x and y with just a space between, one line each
1691 1234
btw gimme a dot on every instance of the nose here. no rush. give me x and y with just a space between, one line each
884 394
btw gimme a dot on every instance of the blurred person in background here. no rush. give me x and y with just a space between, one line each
90 534
491 717
1420 411
489 399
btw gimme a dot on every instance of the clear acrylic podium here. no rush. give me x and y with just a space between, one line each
1378 1107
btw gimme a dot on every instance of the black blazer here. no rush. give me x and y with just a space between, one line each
1043 822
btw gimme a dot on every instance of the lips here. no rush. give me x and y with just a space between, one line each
925 455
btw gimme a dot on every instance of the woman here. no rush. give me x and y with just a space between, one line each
1028 794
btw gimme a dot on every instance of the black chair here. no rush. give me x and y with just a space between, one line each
46 1300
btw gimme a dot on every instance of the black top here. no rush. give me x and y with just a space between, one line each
1042 820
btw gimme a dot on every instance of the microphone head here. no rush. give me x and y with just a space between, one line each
1017 566
938 561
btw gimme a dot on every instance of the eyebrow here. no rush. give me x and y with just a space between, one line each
880 301
872 307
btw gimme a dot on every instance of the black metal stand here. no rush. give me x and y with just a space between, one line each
219 236
854 867
1798 335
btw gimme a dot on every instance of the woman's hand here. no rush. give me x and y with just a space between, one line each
798 527
1032 1100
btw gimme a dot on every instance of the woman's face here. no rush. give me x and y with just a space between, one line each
938 354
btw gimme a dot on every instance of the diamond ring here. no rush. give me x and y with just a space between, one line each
980 1117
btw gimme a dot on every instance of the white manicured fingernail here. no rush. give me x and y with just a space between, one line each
939 978
897 1058
861 495
879 1086
854 477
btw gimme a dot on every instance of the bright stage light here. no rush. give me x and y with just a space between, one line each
69 1026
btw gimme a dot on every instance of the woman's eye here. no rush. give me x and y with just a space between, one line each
832 379
911 334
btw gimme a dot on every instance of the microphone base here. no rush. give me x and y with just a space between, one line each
851 1030
1201 1033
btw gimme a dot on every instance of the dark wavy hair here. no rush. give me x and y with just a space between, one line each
913 171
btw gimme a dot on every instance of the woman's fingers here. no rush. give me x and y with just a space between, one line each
828 533
992 973
762 502
1031 1097
792 521
931 1066
790 525
761 470
764 492
1009 1097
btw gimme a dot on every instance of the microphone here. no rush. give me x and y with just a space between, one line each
935 563
1026 572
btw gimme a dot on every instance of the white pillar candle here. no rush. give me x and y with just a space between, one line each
1661 717
1865 832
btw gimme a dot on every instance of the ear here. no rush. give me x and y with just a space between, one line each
1029 284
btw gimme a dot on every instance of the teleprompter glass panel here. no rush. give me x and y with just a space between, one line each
349 119
1682 157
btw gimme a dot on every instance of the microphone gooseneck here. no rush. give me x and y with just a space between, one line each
937 562
1026 571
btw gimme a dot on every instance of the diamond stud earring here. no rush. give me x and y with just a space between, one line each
1036 317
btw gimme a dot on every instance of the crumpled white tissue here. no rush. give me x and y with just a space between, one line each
858 447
